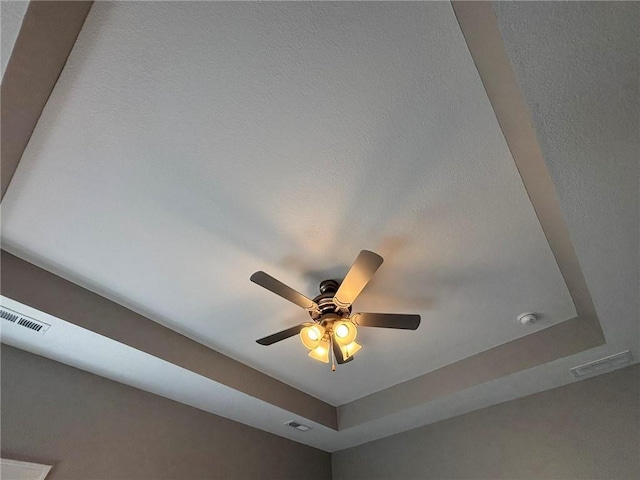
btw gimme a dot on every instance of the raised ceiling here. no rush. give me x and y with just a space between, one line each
184 148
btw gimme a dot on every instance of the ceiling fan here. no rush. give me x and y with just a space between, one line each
333 327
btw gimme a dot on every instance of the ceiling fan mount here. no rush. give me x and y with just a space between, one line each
329 286
333 329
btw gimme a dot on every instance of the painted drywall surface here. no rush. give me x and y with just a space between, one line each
592 237
186 146
589 429
11 14
578 67
95 313
91 428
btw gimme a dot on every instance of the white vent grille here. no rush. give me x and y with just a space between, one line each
24 321
298 426
603 365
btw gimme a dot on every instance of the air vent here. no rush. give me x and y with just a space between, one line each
298 426
24 321
603 365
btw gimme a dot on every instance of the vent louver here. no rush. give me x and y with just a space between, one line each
23 320
603 365
297 426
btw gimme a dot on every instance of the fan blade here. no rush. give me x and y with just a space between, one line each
338 354
286 292
387 320
283 335
366 264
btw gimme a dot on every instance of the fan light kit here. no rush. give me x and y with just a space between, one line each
332 331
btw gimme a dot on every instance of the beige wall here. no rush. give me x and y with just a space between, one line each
588 429
92 428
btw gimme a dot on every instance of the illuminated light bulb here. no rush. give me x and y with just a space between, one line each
350 349
344 332
321 352
311 336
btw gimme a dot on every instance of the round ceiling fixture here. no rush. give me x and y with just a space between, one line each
527 318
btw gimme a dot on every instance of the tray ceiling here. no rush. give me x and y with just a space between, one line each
183 149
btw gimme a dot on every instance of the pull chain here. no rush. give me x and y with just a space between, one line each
333 357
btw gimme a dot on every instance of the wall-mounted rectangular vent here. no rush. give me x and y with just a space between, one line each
298 426
22 320
603 365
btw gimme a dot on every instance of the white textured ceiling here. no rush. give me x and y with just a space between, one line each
577 66
184 148
11 15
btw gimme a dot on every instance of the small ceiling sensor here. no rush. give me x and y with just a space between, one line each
527 318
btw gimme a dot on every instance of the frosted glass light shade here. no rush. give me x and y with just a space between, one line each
311 336
350 349
321 352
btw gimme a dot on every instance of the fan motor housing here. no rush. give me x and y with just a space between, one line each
328 289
